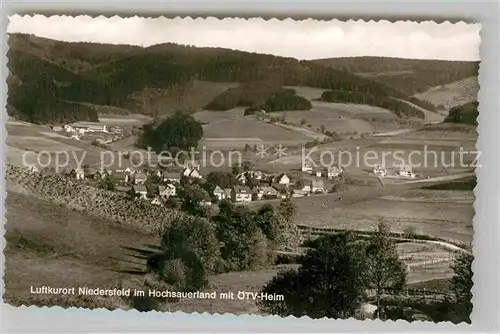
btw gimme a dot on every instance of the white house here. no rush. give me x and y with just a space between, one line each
241 194
282 179
68 128
333 171
167 190
379 170
405 171
219 193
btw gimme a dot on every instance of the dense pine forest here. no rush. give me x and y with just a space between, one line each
464 114
49 80
409 76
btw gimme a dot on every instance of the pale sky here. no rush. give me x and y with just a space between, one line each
307 39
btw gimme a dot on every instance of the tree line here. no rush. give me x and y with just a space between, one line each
464 114
398 107
179 132
340 273
235 238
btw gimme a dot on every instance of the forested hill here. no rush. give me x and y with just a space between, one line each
49 76
410 76
464 114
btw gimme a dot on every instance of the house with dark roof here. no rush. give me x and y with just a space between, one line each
141 190
171 177
241 194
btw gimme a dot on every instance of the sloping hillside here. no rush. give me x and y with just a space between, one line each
142 79
453 94
410 76
107 205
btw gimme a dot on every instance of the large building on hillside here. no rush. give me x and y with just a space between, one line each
89 127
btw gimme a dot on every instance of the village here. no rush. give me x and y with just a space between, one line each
243 184
158 186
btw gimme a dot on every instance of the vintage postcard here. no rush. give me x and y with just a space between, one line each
304 168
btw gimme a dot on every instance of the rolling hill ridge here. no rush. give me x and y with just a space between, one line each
52 81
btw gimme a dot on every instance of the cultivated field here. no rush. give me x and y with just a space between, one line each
233 126
22 139
124 120
448 215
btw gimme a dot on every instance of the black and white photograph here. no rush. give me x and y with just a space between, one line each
306 168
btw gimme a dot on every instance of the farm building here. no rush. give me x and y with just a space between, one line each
241 194
89 127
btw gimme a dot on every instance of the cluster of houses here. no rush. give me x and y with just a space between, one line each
249 185
399 171
79 129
